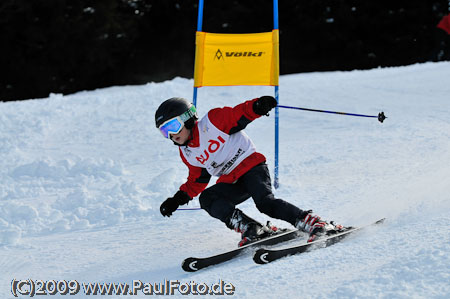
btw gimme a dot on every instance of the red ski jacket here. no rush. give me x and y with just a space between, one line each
444 24
235 162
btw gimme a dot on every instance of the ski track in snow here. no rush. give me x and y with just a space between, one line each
83 175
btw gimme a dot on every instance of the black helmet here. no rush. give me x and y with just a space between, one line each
174 107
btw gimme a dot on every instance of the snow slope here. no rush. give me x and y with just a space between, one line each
82 177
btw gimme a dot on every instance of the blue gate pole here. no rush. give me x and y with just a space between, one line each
276 182
199 28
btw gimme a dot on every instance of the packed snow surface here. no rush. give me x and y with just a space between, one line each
82 177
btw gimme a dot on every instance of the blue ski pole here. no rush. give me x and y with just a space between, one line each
381 117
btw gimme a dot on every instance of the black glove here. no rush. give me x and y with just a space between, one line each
171 204
264 104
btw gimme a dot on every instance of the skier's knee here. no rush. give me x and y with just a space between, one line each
206 199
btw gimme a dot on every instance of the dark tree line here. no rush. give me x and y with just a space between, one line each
63 46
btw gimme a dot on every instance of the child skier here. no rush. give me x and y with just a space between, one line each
216 145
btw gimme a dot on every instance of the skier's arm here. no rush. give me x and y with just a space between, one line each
233 119
197 180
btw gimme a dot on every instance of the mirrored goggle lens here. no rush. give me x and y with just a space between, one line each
172 126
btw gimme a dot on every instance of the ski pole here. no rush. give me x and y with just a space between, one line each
189 209
381 117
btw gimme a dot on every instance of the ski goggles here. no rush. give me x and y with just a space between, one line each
176 124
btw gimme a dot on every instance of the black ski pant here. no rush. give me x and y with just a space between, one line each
220 199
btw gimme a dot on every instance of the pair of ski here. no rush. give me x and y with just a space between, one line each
263 255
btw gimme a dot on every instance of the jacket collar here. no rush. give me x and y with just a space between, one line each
194 138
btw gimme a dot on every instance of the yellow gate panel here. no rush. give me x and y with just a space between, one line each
236 59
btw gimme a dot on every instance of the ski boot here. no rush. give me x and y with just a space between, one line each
316 227
250 229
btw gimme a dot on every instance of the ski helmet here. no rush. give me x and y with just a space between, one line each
174 107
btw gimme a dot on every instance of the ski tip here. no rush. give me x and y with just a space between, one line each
260 257
190 264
